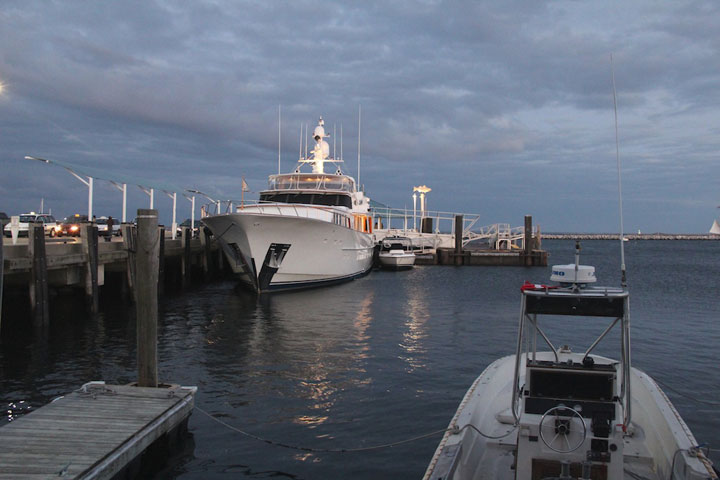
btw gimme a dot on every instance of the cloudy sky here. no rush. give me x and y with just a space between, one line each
502 108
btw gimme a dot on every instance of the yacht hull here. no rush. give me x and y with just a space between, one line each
271 252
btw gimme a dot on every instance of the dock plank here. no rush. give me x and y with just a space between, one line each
91 433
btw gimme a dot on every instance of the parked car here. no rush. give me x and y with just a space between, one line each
102 224
187 223
4 218
70 226
49 224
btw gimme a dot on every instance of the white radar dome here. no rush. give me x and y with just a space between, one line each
565 274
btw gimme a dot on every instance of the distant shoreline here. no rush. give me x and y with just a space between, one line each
630 236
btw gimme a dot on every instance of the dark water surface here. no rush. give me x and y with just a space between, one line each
378 360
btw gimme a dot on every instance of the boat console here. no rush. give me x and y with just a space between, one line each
571 408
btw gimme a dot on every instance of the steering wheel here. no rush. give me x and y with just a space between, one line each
560 430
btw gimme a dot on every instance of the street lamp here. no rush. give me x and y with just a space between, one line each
88 182
123 189
192 212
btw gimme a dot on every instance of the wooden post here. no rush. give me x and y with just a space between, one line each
146 307
205 255
459 227
129 241
528 240
89 238
186 262
161 261
2 268
38 281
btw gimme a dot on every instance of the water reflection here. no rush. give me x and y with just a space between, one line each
417 312
291 350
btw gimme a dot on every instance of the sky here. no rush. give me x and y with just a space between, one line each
504 109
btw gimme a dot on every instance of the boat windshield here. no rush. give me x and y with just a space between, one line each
311 181
329 199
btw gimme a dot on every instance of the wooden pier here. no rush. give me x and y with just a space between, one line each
98 431
38 263
104 431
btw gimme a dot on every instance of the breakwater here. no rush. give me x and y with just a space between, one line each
642 236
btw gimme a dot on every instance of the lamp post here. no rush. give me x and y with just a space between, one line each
150 192
88 182
414 211
173 195
192 211
123 189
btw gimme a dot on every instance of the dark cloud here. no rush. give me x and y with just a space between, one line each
504 109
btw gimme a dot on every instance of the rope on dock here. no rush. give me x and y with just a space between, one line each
320 450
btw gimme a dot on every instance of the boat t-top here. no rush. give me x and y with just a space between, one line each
564 414
308 228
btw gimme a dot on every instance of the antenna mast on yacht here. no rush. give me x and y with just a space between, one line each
279 123
359 118
623 280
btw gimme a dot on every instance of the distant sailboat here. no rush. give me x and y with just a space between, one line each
715 229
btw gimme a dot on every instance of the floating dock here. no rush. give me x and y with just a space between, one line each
98 431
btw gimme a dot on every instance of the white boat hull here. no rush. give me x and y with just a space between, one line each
296 247
659 439
396 260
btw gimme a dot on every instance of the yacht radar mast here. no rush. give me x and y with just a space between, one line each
321 152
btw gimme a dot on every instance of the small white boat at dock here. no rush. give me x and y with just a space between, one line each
396 253
560 414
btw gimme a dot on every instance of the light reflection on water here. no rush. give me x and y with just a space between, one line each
380 359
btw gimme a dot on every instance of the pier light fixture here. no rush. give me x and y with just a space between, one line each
423 189
150 192
191 198
88 181
173 195
123 188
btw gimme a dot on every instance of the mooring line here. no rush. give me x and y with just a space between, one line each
319 450
706 402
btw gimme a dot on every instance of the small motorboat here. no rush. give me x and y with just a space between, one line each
396 253
564 414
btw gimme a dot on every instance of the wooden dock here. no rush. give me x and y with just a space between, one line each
95 432
38 263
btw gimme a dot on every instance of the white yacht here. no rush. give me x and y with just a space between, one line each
396 253
308 229
560 414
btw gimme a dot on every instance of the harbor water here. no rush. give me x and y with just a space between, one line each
376 361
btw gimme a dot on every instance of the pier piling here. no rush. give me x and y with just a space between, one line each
89 237
146 294
527 244
459 224
39 280
161 261
129 240
206 254
186 259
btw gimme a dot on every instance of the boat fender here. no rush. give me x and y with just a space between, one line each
536 286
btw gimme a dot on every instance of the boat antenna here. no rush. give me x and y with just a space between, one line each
300 152
279 123
359 118
623 279
341 143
